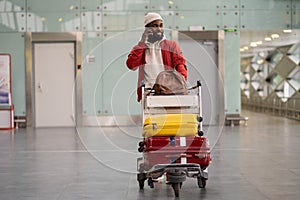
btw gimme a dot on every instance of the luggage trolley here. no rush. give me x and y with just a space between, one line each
173 143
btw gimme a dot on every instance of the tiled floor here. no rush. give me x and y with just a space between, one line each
259 161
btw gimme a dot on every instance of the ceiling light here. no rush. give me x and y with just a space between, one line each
260 61
258 42
287 31
171 2
262 54
268 39
253 44
246 48
274 36
43 19
60 19
241 49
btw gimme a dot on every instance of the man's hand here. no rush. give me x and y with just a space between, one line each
147 32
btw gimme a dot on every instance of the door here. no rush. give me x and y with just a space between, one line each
54 78
202 63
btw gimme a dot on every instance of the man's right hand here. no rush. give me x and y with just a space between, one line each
146 33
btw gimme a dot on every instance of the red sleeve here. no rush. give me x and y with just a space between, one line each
179 60
136 56
182 70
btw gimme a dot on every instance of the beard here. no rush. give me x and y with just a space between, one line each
156 36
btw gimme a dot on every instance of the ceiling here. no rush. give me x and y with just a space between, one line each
259 35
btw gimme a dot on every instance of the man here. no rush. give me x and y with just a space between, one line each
154 53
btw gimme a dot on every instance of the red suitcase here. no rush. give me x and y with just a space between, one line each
168 150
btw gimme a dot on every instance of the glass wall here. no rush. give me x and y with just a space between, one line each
274 78
108 23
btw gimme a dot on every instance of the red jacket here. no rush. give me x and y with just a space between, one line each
171 55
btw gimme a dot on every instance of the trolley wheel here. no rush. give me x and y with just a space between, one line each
201 182
141 177
141 184
141 143
176 187
150 183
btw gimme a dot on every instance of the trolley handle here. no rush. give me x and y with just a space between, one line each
196 86
150 90
146 88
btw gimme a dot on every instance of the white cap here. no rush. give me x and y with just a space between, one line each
151 16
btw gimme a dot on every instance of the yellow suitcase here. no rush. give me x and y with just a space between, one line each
171 125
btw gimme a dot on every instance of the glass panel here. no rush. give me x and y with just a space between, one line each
135 20
296 50
137 5
12 22
53 5
296 18
295 83
91 73
120 21
113 21
294 53
230 19
21 21
285 91
278 79
121 5
112 79
255 66
265 4
267 19
12 16
39 22
294 58
288 90
279 90
7 19
294 78
260 71
158 5
169 17
91 21
197 5
273 80
285 66
295 4
12 6
230 4
274 57
257 61
245 81
119 82
185 19
88 5
256 82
